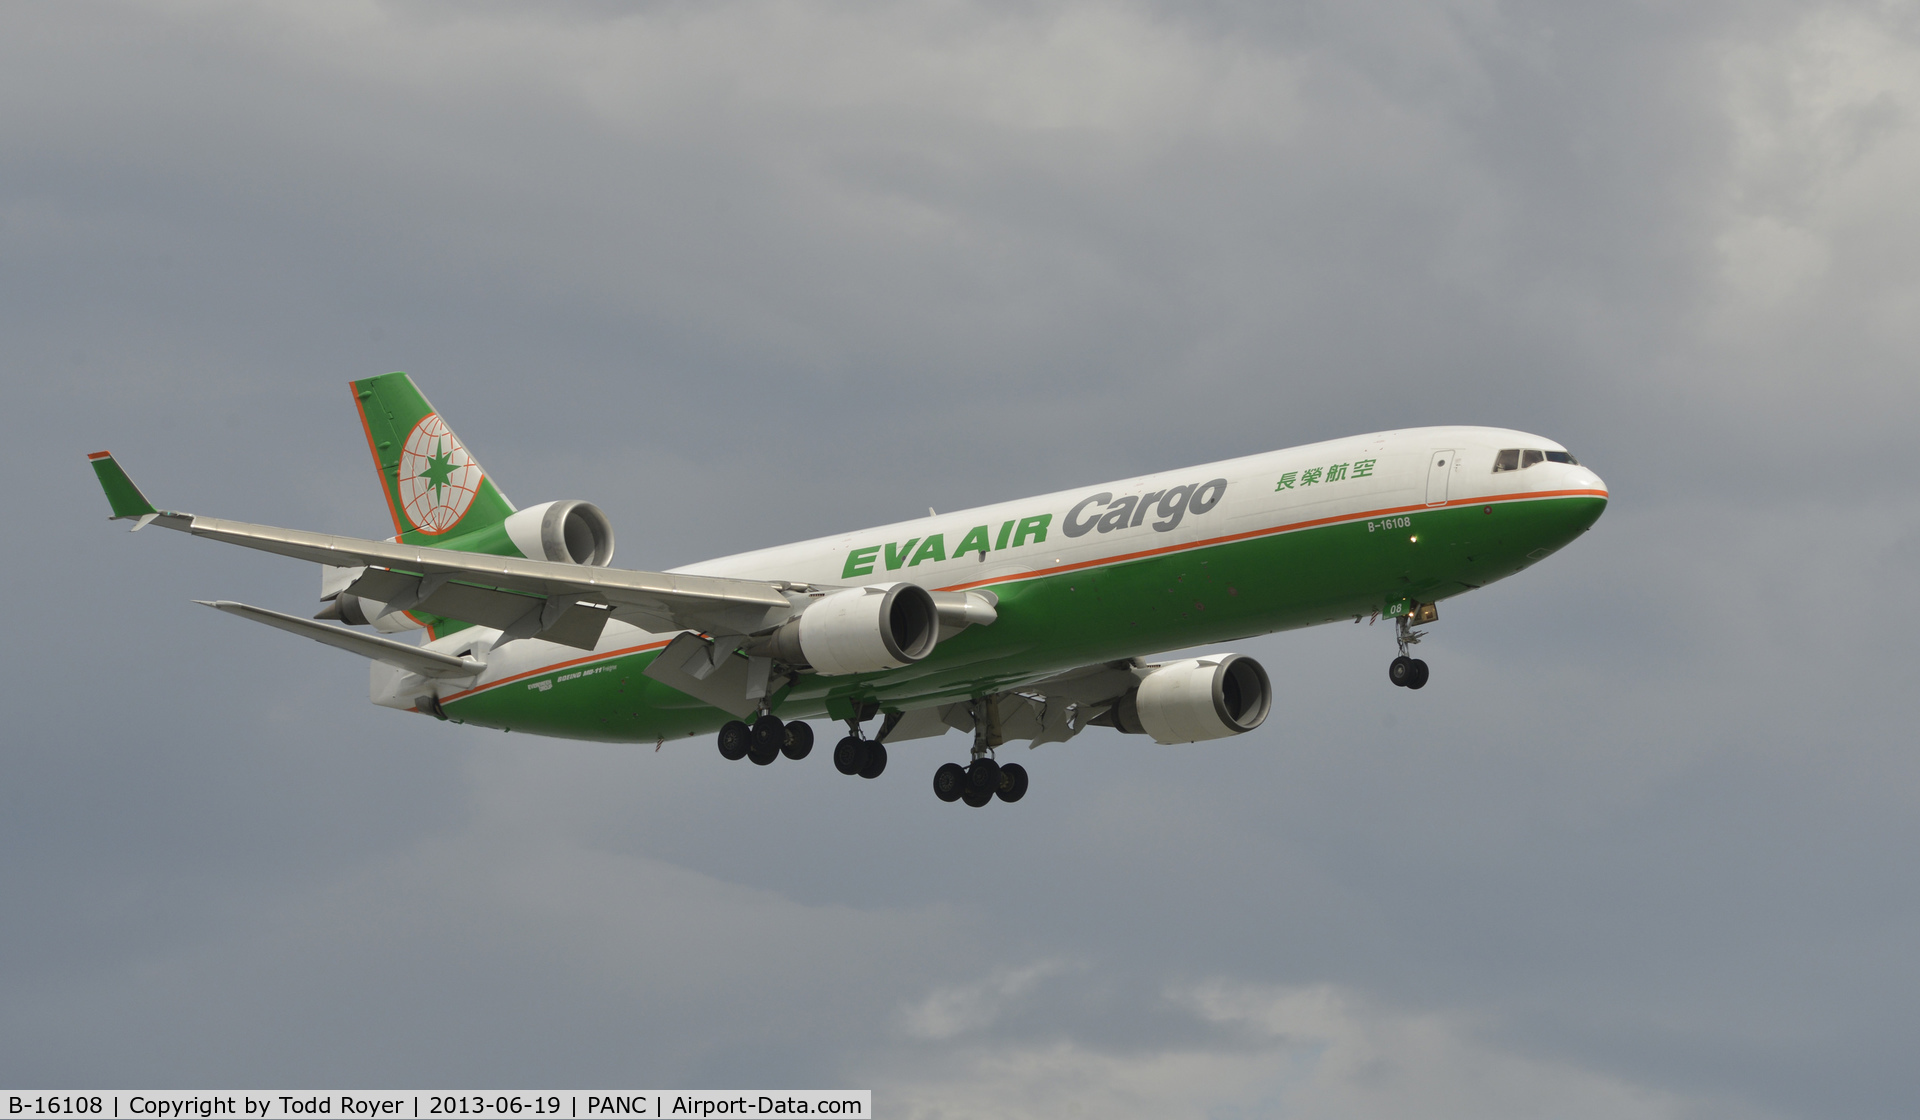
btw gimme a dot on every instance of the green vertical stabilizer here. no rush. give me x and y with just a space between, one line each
435 489
434 486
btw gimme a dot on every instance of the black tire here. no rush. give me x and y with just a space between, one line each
799 742
983 776
762 758
849 754
735 738
876 761
950 781
769 734
1013 782
1419 679
975 798
1401 671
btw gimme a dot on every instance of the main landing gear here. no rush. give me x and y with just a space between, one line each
983 779
980 782
1405 671
764 740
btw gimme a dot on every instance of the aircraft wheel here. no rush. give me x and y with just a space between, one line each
950 781
735 738
876 760
1401 671
1013 782
849 754
976 798
1419 678
769 734
983 776
799 741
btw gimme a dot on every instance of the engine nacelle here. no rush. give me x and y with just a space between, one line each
860 630
1204 698
570 532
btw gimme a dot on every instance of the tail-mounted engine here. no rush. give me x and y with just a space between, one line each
1194 700
569 532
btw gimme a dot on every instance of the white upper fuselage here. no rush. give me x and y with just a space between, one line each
1253 500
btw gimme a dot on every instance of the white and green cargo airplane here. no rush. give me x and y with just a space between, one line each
1023 620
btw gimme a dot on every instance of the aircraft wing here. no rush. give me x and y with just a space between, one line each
504 593
561 602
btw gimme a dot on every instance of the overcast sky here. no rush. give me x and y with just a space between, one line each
741 273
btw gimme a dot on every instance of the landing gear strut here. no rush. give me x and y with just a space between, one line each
1406 671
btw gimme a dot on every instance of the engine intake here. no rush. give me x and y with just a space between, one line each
569 532
860 630
1203 698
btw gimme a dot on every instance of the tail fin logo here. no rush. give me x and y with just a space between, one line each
438 479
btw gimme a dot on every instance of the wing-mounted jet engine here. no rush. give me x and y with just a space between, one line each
1195 700
858 630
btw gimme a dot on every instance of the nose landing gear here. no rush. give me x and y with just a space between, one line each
1405 671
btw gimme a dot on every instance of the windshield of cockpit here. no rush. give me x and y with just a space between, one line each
1520 458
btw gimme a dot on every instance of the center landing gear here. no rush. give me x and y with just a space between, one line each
766 739
857 754
1405 671
864 757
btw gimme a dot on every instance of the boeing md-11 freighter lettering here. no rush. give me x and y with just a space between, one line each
1028 620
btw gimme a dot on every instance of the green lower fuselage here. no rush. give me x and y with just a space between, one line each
1280 565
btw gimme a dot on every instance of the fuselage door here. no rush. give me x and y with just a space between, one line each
1438 469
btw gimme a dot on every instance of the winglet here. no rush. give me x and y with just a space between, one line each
127 500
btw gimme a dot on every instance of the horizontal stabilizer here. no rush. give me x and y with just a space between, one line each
425 662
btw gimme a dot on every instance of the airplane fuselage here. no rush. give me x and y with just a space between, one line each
1335 531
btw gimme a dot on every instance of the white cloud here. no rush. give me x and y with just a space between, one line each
961 1008
1317 1051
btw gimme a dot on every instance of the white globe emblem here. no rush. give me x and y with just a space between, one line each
438 479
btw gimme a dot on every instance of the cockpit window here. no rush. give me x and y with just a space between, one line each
1514 459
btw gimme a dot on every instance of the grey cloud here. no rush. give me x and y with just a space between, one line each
745 273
